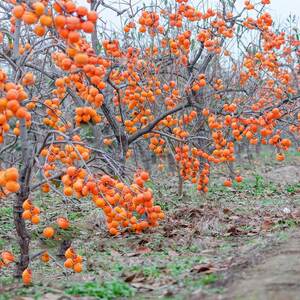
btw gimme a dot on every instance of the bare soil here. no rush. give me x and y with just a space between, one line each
284 175
275 277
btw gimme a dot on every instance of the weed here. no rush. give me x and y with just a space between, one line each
117 268
209 279
283 224
178 267
148 271
6 215
107 290
203 281
73 216
2 244
293 188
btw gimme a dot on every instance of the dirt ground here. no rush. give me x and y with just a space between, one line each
276 277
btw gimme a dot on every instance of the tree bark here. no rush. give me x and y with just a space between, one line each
65 244
23 236
22 195
180 184
171 163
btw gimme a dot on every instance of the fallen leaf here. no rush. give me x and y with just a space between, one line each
204 268
168 293
267 224
143 242
142 286
143 250
234 231
139 251
227 211
130 277
132 254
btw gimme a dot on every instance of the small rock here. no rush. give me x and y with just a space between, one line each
286 210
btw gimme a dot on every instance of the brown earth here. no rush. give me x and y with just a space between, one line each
284 175
276 277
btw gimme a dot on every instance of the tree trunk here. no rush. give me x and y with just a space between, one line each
22 195
171 163
249 154
238 151
25 174
65 244
258 149
153 159
180 184
23 236
145 157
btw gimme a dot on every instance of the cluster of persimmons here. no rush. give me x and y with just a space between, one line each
11 103
120 203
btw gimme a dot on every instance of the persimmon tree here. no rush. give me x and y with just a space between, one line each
77 98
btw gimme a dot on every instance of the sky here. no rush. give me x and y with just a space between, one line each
280 9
